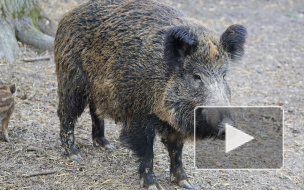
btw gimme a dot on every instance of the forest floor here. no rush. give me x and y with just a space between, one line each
270 74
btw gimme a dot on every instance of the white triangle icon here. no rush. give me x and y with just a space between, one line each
235 138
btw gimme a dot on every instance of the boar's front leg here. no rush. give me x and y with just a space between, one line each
174 142
139 137
146 173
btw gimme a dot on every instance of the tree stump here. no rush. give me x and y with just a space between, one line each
25 21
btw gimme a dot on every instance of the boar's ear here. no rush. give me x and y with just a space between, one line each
233 40
179 43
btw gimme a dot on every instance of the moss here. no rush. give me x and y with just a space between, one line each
21 9
20 13
35 14
2 11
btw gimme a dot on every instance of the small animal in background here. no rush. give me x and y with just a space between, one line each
7 103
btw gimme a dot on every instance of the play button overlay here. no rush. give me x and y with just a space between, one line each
238 138
235 138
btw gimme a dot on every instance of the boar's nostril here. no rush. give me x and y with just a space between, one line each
221 133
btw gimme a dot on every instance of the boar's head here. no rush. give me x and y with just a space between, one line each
198 63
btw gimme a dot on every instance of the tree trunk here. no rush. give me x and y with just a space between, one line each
24 20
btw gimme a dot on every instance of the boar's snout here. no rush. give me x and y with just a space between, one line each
222 131
211 122
222 127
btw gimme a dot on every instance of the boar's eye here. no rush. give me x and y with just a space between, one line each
197 77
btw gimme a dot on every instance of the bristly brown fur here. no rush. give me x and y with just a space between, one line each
143 64
7 94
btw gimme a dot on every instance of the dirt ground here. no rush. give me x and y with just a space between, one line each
271 73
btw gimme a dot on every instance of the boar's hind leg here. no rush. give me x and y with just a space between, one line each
98 130
71 106
174 143
67 137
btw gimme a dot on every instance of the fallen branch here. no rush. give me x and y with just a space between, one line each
34 148
28 34
37 58
45 172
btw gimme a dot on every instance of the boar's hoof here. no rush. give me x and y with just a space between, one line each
103 142
107 146
186 184
181 178
74 158
152 187
149 181
110 147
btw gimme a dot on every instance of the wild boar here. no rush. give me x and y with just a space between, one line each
147 66
7 103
